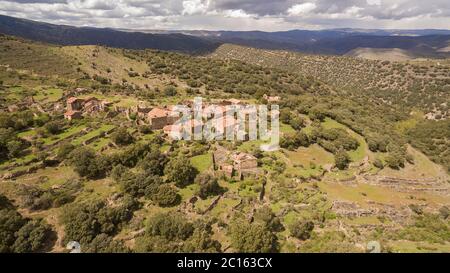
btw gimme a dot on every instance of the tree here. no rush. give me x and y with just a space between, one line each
54 127
166 196
201 242
85 221
180 171
377 143
121 137
32 237
170 91
318 113
6 121
10 222
266 216
105 244
6 136
209 186
137 185
64 150
154 162
294 140
302 229
297 123
395 160
172 226
15 147
285 115
85 163
342 160
252 238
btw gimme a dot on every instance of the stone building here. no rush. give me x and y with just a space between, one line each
158 118
74 104
70 115
240 164
245 165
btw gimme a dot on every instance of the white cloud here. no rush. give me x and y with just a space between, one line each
191 7
269 15
238 13
301 9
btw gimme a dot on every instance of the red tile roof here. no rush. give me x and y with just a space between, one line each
158 113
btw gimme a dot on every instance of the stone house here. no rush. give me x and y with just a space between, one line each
229 164
245 165
158 118
92 106
75 104
70 115
183 130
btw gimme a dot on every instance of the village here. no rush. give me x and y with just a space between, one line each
127 150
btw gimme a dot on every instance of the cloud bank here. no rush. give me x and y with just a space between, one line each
266 15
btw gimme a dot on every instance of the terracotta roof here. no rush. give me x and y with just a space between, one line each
158 113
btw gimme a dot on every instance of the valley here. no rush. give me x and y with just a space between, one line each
83 158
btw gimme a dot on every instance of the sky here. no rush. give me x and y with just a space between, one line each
265 15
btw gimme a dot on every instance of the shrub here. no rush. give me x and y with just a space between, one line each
166 196
252 238
342 160
121 137
180 171
209 186
302 229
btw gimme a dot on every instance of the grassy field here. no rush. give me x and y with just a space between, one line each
362 151
95 133
202 162
48 95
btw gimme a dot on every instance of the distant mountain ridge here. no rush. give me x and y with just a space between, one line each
69 35
417 43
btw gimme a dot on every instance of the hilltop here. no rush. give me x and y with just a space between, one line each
418 43
420 85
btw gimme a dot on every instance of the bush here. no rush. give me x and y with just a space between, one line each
85 221
209 186
170 91
171 226
32 237
166 196
252 238
121 137
180 171
342 160
137 185
105 244
395 160
87 164
54 127
266 216
302 229
64 150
